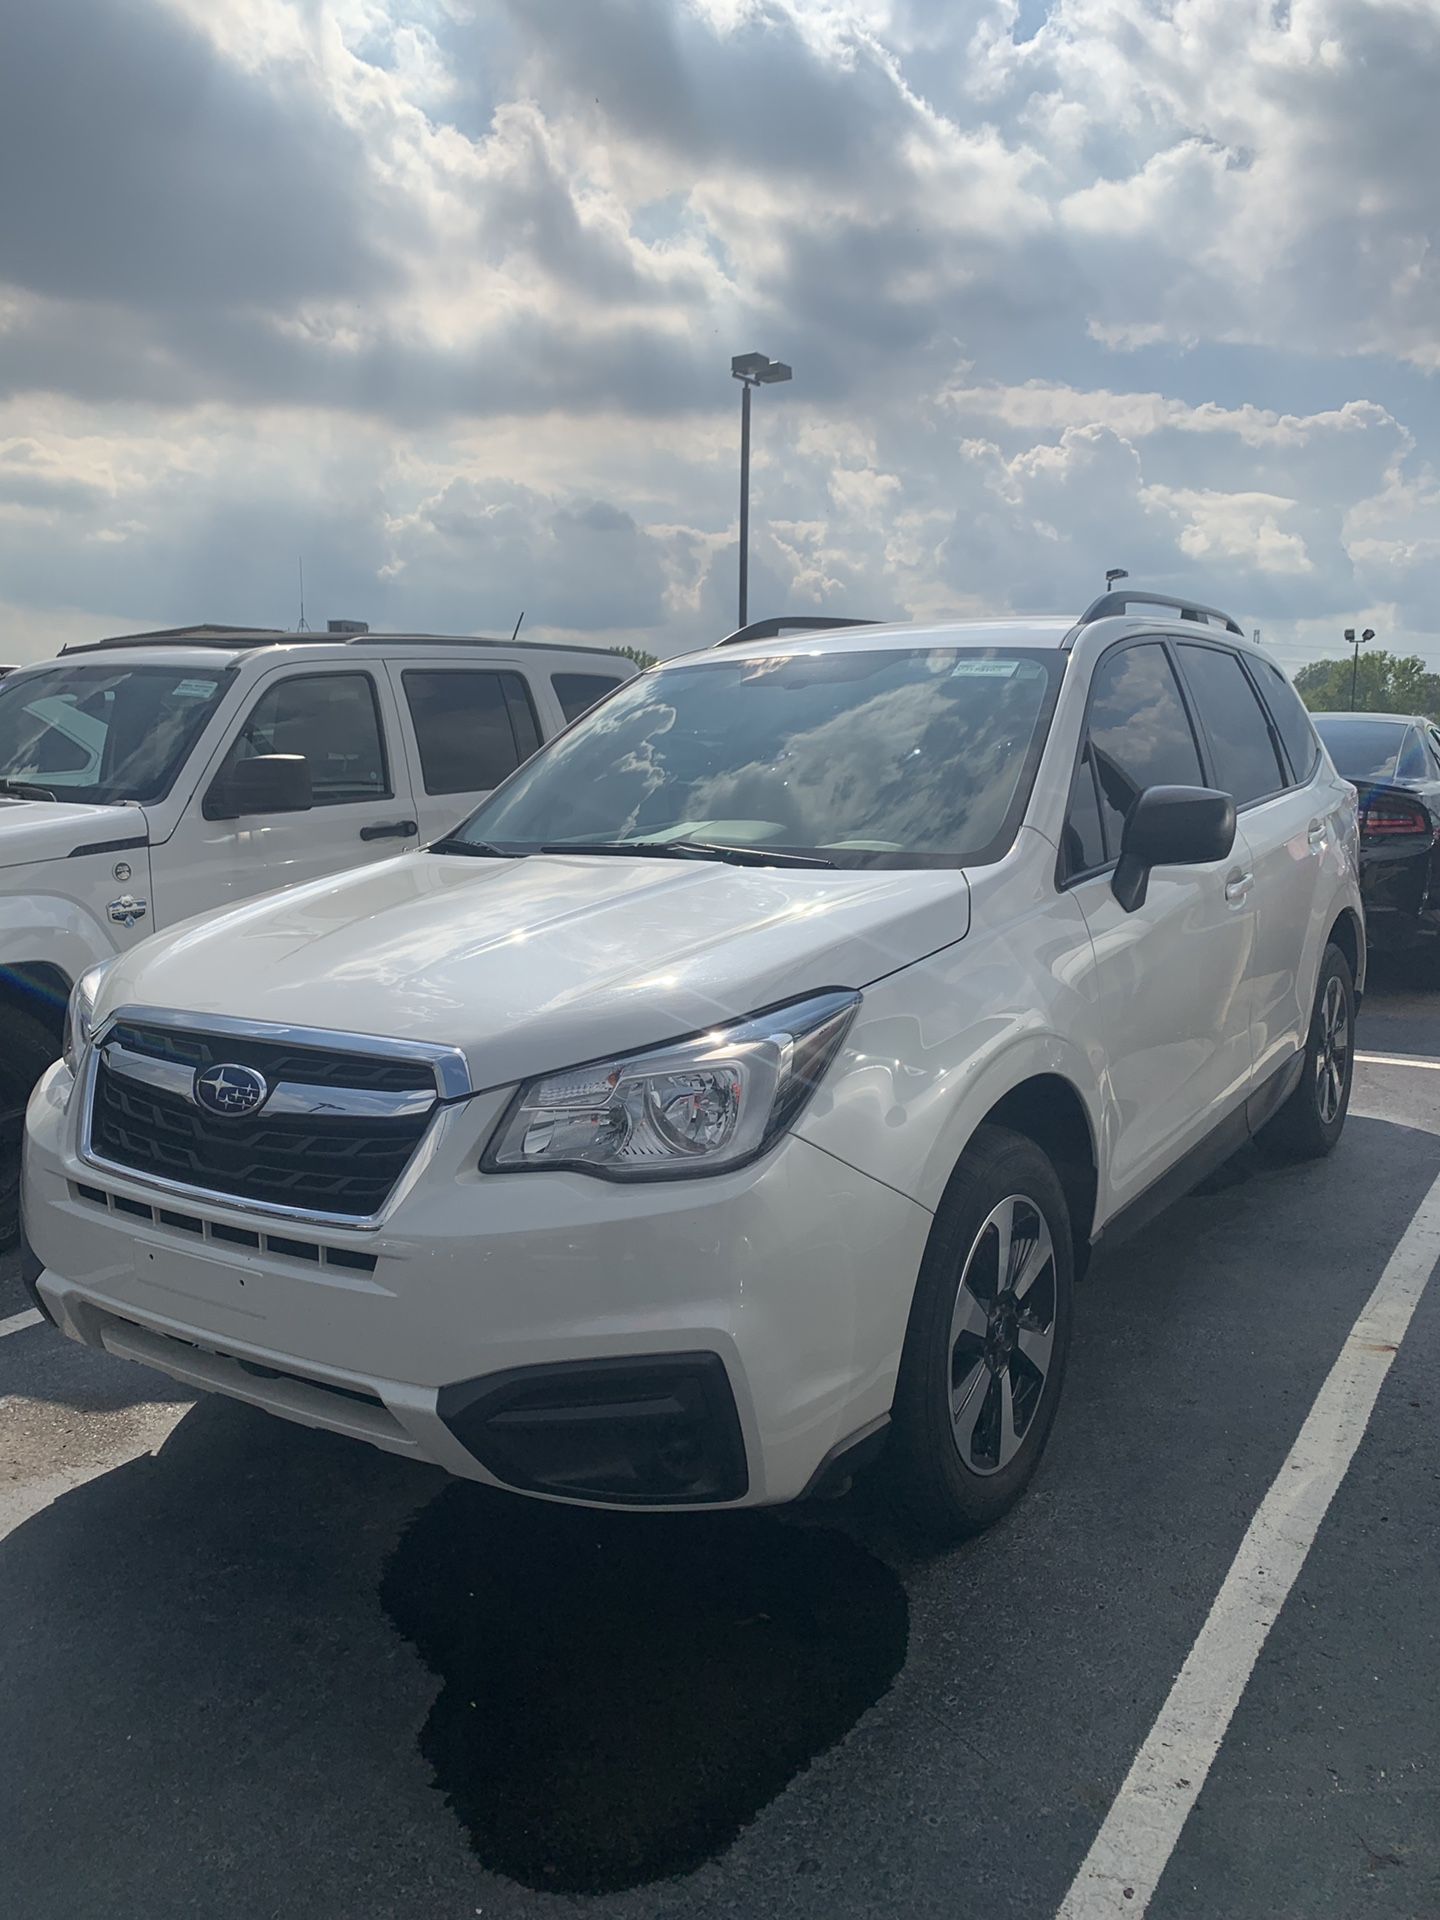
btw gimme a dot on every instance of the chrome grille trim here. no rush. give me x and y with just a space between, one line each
289 1098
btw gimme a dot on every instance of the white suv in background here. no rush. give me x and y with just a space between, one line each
744 1085
146 779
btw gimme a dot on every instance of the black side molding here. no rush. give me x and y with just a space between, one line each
106 846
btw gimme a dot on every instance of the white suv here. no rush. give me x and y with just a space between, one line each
147 779
745 1084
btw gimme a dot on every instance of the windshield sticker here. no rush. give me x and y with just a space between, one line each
984 669
195 689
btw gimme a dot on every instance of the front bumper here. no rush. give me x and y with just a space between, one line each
759 1314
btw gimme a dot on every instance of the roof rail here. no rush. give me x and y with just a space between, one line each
1123 598
249 639
790 623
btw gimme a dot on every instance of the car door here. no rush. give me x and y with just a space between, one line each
1171 977
1287 825
466 728
343 720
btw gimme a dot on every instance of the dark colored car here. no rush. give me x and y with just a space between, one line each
1393 759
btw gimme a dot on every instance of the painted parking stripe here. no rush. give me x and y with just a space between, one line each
1396 1060
18 1322
1123 1867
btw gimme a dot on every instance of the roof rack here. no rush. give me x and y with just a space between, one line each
1121 599
790 623
247 639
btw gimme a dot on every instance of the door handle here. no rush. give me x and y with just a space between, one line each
1237 886
390 830
127 910
1316 835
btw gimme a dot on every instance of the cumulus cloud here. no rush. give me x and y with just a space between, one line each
443 296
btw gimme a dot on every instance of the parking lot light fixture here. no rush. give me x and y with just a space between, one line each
751 370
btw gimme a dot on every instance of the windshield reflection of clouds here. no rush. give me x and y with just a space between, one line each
889 752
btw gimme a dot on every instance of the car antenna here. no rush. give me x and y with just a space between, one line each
304 625
517 626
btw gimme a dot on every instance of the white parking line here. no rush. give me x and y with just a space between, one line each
1123 1867
1396 1060
18 1322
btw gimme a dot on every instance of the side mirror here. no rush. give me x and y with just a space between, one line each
1171 827
271 783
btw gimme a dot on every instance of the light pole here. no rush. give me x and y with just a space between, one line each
1112 574
1365 638
751 370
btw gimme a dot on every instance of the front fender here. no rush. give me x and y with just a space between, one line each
41 929
936 1046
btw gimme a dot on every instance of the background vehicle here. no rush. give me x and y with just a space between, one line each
145 781
1393 762
744 1082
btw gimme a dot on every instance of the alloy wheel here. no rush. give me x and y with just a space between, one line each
1002 1334
1332 1056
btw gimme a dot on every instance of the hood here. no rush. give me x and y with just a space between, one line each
539 963
32 830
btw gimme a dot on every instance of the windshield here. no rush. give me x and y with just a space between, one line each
101 733
883 757
1363 749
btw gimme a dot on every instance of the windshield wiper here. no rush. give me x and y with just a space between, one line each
692 850
24 789
476 849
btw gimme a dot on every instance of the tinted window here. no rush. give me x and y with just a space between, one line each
578 692
1246 763
105 732
1362 749
1083 845
867 757
1139 733
330 718
1413 764
473 729
1292 722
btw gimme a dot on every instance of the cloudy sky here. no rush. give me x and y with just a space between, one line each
441 294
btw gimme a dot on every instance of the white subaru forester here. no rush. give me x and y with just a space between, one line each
740 1090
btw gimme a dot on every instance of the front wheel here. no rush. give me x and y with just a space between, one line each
987 1342
1312 1119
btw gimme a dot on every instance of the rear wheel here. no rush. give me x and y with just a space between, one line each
986 1347
1313 1118
26 1049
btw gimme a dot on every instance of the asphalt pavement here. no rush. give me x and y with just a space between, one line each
248 1670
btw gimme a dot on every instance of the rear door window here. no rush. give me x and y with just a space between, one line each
1247 764
1292 721
578 692
473 727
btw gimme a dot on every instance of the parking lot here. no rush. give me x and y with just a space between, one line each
251 1670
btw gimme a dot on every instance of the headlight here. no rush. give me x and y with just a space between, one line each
80 1014
700 1106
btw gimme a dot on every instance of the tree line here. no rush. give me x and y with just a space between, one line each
1384 683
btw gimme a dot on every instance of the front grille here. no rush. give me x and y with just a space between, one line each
313 1163
311 1066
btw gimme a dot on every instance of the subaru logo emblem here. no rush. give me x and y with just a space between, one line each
230 1090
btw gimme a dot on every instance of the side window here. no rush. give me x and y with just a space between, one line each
1246 763
1292 721
472 728
1082 844
1413 765
578 692
1139 734
1433 736
333 719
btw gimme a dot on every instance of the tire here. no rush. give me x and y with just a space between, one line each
968 1345
26 1048
1311 1121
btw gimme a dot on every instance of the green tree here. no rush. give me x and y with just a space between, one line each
638 655
1385 683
